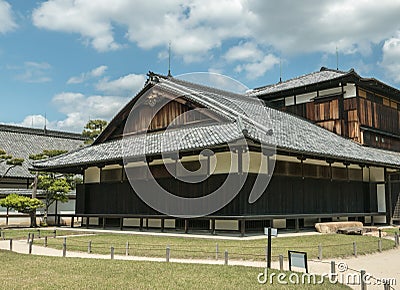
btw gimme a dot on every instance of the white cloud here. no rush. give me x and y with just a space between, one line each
198 29
33 72
391 58
195 27
258 68
94 73
79 108
7 22
247 51
35 121
127 85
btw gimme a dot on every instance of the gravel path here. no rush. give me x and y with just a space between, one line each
379 265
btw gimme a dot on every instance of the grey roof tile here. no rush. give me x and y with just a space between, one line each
21 142
305 80
289 133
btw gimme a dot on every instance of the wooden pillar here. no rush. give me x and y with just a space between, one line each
213 226
242 227
141 224
297 225
389 207
162 224
186 226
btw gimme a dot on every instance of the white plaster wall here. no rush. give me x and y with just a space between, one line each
350 91
304 98
227 225
377 174
289 101
224 162
380 192
92 175
279 223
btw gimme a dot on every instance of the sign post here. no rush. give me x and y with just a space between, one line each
270 232
298 259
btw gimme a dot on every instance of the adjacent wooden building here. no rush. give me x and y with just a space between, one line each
315 174
20 142
365 110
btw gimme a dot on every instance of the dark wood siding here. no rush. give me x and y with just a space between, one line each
284 195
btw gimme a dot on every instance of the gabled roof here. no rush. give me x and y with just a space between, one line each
325 76
305 80
20 142
243 114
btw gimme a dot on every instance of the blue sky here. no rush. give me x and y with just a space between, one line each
70 60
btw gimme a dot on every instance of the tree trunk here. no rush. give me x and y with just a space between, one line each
8 210
34 193
45 215
32 215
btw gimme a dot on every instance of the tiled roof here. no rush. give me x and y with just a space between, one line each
305 80
21 142
22 191
241 112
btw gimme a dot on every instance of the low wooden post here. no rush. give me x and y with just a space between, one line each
380 245
112 253
64 252
127 249
45 241
32 237
396 239
141 224
11 245
167 254
121 223
355 249
333 267
216 251
226 257
87 222
380 233
3 235
39 234
281 262
89 247
72 221
55 234
320 252
29 238
362 280
30 247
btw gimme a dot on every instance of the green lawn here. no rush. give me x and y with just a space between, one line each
37 272
333 246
